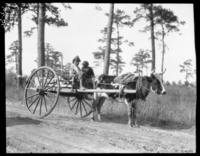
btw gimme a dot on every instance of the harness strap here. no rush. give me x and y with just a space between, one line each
139 86
122 87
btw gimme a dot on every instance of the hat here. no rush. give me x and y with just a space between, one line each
85 63
76 59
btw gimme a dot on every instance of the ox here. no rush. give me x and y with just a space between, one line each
142 85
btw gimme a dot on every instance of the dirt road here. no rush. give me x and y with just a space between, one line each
63 133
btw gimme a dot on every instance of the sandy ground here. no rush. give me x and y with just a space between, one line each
61 132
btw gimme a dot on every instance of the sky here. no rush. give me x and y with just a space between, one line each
81 36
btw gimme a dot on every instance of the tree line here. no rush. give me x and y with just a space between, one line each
160 22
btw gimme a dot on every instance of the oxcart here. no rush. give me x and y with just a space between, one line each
44 87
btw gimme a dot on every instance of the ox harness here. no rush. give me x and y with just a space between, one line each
139 86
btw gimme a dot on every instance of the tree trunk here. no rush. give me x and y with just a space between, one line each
117 67
152 37
61 64
186 77
41 32
19 70
163 51
142 67
47 58
107 53
37 14
16 64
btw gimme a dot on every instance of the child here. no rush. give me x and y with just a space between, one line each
76 72
87 75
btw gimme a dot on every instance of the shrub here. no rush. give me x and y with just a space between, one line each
174 83
180 83
10 79
187 83
11 87
167 83
12 93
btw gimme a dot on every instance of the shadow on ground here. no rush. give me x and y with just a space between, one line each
167 125
13 121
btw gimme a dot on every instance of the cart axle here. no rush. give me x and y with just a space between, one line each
41 91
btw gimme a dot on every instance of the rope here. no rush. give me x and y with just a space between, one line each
138 87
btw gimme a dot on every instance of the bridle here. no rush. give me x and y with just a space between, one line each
139 85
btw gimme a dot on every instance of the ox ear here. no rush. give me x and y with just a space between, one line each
153 75
153 71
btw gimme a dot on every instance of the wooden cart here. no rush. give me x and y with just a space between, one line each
44 86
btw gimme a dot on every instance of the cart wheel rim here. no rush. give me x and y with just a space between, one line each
81 107
42 91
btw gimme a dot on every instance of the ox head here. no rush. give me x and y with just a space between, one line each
156 84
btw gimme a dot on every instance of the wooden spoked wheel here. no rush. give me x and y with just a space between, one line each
42 91
81 104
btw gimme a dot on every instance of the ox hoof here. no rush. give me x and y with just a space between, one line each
130 125
138 126
133 125
92 119
99 117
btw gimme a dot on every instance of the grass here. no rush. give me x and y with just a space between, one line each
176 108
12 92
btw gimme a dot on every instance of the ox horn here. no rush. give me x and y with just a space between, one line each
153 71
163 72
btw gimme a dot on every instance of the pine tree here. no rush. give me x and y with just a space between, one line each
146 11
168 22
13 14
186 68
41 32
45 13
108 44
140 61
120 19
13 56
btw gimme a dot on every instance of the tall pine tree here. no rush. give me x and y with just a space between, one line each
120 19
167 22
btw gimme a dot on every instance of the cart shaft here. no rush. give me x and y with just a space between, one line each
66 90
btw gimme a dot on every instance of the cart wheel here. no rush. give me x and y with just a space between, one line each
42 91
81 104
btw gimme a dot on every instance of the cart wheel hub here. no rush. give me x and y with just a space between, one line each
41 91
